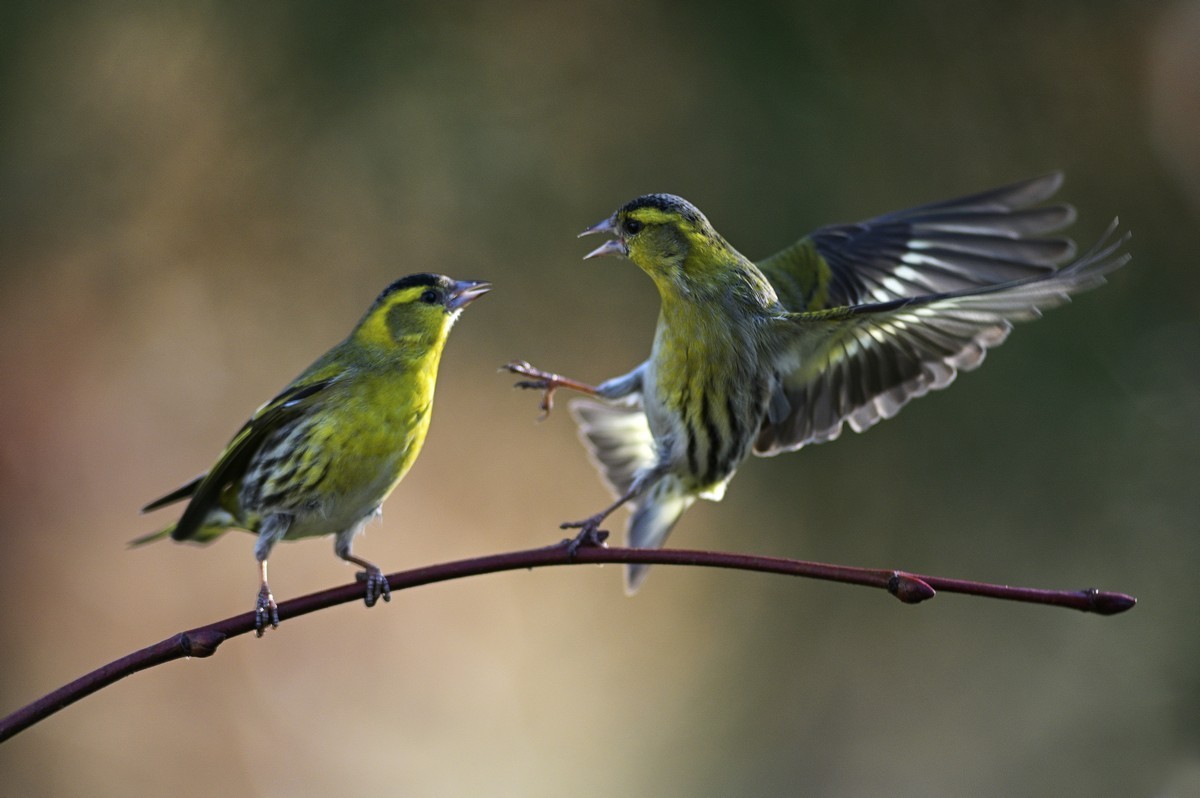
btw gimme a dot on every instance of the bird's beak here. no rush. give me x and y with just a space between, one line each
465 292
612 247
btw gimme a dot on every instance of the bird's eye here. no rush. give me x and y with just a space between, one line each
429 297
633 227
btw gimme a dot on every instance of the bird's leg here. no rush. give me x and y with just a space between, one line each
547 383
590 533
272 530
377 585
265 609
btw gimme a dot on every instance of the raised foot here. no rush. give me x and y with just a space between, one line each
377 586
538 380
590 535
265 611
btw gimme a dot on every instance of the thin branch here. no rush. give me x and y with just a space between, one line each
204 640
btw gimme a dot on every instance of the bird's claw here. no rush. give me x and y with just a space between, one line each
538 380
265 611
590 535
377 586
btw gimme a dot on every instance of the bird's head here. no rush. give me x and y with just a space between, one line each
417 311
671 240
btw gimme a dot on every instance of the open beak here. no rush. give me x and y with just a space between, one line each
465 292
613 246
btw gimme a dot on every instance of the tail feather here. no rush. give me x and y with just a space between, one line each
621 446
205 534
153 536
178 494
652 522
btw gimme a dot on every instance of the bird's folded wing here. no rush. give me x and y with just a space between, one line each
984 239
862 363
294 401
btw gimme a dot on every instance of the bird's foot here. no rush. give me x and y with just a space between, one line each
590 535
265 611
377 585
538 380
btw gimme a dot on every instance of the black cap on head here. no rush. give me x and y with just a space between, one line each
412 280
668 203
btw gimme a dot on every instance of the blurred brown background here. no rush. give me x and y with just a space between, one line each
198 198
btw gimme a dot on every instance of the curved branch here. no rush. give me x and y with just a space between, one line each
204 640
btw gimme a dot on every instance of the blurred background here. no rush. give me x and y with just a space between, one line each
196 199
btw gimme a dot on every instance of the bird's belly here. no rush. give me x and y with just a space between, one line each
703 453
338 511
359 467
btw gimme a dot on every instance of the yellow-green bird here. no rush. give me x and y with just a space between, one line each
843 327
321 457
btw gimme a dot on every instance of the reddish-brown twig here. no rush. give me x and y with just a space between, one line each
204 640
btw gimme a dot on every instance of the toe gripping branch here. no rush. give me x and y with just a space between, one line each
590 536
265 611
377 586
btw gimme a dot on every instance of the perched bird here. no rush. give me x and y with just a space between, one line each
320 458
843 327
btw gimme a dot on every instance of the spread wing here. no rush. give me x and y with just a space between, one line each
618 438
862 363
970 242
205 491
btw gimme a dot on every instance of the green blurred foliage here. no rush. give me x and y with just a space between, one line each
195 199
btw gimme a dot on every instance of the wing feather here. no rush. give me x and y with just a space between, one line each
863 363
984 239
618 438
294 401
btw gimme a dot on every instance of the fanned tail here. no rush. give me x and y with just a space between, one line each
651 522
618 438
